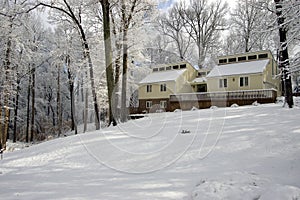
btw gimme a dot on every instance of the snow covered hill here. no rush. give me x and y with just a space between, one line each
249 153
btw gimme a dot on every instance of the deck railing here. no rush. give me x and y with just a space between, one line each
242 94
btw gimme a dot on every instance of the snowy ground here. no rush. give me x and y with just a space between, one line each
249 153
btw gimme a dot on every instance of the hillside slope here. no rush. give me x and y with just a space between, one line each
250 152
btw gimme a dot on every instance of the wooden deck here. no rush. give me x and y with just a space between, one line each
221 99
186 101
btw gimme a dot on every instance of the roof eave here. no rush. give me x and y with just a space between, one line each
255 73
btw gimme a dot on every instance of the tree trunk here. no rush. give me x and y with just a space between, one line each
108 58
72 96
7 84
82 96
118 45
32 104
73 112
6 132
124 78
283 55
1 127
6 111
86 110
28 108
16 111
58 105
94 94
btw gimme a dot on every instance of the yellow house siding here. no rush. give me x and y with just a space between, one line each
270 78
183 82
156 93
255 82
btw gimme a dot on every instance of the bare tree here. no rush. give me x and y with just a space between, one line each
172 25
108 57
76 18
250 26
124 16
128 12
203 23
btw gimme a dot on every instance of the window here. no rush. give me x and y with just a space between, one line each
183 66
223 83
168 68
163 104
232 60
163 87
149 88
221 61
161 69
252 57
175 67
242 58
148 104
155 69
265 55
244 81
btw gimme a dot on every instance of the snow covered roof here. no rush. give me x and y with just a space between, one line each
155 77
252 67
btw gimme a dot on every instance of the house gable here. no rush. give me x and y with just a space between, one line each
175 77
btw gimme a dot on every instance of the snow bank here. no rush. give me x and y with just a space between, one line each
10 146
244 186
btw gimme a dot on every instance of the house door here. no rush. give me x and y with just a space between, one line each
202 88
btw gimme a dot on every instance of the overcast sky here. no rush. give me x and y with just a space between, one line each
163 4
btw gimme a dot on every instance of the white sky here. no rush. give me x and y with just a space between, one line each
230 2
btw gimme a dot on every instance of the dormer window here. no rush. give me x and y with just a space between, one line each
232 60
242 58
252 57
264 55
183 66
222 61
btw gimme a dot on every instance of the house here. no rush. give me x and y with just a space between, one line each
155 89
248 71
241 79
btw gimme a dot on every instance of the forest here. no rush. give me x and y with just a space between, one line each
71 65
